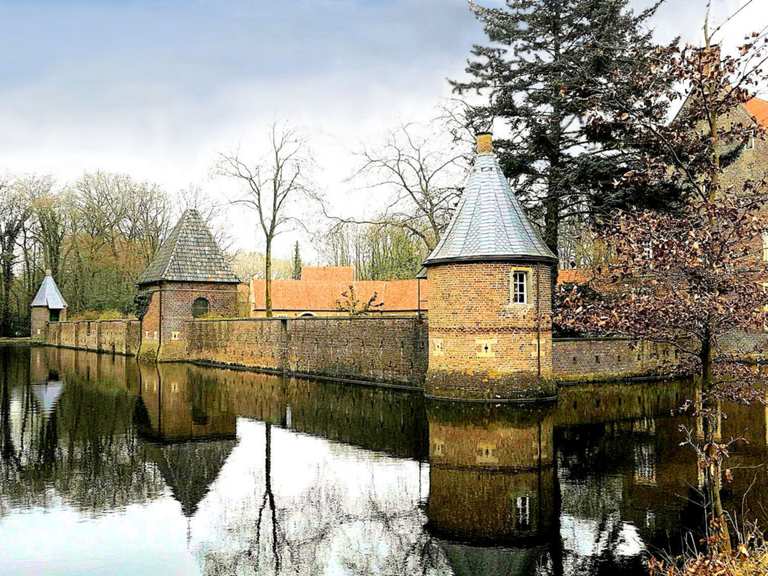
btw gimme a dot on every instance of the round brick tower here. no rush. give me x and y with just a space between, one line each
490 314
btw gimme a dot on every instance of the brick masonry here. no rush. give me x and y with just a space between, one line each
389 350
113 336
604 359
170 306
481 345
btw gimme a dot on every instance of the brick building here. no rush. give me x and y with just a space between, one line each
48 305
319 293
188 278
490 318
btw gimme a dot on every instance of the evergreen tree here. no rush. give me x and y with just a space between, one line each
560 74
296 265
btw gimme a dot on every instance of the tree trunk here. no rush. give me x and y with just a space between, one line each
713 470
5 311
552 234
268 278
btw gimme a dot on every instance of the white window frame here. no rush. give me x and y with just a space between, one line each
514 283
648 250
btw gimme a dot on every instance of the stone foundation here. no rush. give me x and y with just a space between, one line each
491 386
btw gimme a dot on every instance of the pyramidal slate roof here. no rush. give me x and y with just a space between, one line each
189 254
48 295
489 223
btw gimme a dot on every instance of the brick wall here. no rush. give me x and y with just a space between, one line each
585 359
256 343
391 350
170 307
150 325
178 298
115 336
745 345
376 349
478 338
37 321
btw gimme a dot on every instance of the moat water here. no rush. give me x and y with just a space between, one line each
112 467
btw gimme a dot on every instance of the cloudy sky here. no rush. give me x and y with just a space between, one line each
155 88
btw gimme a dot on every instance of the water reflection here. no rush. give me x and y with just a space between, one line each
492 487
178 469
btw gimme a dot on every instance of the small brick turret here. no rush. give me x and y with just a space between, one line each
490 318
48 305
188 278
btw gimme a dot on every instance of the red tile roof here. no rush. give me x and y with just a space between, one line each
328 273
573 276
321 296
758 108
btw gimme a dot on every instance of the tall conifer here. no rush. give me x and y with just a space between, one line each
560 74
296 263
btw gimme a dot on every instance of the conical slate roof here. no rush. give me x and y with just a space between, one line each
489 224
48 295
189 254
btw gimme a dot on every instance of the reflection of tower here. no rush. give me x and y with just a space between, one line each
192 435
46 385
46 388
491 496
179 404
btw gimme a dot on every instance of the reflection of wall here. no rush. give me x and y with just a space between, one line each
491 506
372 418
588 404
491 473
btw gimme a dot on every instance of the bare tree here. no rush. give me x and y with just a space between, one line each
420 175
270 186
50 223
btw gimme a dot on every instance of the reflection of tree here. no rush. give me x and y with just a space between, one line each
269 497
364 532
400 548
84 449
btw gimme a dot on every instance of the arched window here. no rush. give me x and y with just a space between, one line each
199 307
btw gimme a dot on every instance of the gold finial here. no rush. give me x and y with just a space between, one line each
485 143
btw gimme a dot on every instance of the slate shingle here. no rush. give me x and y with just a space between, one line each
189 254
489 223
48 295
